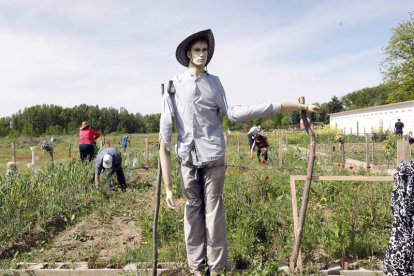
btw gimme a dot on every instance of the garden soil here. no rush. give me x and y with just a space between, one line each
105 234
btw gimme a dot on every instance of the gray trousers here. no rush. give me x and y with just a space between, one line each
204 219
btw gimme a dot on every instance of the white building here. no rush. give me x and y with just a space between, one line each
375 118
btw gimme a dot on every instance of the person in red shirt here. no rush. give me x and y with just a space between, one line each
87 137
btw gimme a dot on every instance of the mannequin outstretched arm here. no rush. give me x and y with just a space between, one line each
292 107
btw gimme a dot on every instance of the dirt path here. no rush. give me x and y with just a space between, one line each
105 234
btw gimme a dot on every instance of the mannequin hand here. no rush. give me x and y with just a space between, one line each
169 200
313 108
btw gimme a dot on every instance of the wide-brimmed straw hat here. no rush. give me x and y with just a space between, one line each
181 52
84 124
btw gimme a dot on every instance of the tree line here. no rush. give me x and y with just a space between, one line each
47 119
55 120
397 69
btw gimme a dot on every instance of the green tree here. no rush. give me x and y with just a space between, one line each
366 97
4 126
398 65
335 105
152 122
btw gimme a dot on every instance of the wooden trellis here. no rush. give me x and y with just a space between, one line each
294 178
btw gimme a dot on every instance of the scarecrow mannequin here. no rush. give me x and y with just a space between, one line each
195 101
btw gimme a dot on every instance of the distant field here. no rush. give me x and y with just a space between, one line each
61 148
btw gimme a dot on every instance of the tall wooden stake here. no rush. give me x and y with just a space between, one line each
157 203
305 198
366 150
13 145
146 152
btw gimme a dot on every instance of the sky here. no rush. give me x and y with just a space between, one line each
118 53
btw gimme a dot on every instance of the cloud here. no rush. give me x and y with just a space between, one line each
117 53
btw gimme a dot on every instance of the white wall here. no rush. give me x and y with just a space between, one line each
374 119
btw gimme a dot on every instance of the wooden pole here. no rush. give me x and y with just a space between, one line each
157 205
306 189
366 151
280 149
70 150
373 151
403 151
295 215
146 152
331 151
13 145
238 150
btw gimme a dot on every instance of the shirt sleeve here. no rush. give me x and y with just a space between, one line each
99 165
96 134
240 113
166 120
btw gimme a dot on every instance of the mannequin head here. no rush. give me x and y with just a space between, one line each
197 53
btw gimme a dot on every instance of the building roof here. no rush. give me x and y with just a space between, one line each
373 108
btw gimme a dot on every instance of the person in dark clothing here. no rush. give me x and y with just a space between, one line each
399 127
262 144
109 158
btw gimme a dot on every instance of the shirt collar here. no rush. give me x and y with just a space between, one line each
187 74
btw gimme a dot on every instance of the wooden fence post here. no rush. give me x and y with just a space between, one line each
331 151
13 145
366 150
373 151
238 150
280 149
146 152
403 151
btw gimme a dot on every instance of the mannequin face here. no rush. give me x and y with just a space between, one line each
198 54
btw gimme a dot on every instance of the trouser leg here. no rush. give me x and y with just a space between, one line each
194 224
121 177
90 152
82 152
216 235
250 139
265 155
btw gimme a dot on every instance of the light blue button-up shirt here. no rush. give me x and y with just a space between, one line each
195 103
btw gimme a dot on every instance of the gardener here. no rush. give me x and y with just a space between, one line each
195 101
87 138
252 132
262 144
398 127
109 158
11 168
